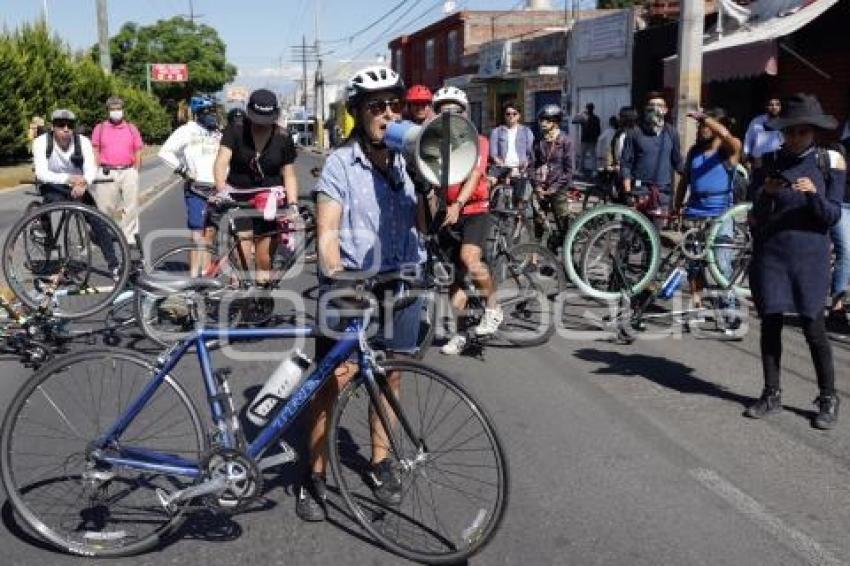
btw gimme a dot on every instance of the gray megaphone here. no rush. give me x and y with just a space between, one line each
444 150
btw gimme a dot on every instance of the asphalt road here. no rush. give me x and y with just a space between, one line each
634 455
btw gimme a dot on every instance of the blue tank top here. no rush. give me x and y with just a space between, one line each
711 185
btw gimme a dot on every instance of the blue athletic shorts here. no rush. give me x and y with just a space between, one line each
402 336
196 211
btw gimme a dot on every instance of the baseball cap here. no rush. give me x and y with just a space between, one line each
62 114
262 107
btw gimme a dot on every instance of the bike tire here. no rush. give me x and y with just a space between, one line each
147 305
605 214
30 399
528 315
348 465
715 248
554 270
22 280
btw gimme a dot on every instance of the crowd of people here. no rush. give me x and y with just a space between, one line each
372 207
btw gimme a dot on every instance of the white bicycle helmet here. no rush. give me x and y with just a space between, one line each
450 94
372 79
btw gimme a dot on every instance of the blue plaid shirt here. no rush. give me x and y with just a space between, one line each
378 226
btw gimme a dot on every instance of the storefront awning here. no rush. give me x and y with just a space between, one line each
748 52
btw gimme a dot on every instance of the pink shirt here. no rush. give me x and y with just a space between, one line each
117 144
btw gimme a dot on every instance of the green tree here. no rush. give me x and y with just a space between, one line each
49 69
13 138
617 3
176 40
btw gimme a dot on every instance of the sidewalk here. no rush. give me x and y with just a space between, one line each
12 176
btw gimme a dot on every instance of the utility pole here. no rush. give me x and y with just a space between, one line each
691 27
305 54
46 16
103 36
192 16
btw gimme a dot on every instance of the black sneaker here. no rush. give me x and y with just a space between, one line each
769 403
827 411
310 499
386 482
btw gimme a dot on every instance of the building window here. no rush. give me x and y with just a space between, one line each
452 54
429 54
398 62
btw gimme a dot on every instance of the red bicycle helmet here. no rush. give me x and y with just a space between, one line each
418 93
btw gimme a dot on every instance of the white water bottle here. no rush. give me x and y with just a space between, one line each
278 387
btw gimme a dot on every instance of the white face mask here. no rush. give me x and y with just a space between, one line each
116 115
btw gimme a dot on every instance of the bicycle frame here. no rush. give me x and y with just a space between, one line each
149 460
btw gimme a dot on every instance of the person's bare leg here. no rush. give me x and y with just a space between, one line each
380 439
470 257
265 248
319 413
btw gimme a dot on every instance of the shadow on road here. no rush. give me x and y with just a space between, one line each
667 373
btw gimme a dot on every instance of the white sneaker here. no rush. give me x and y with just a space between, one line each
454 346
490 322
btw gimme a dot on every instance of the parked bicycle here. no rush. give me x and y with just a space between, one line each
621 261
124 456
165 319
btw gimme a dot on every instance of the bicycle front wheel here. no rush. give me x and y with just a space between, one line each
453 471
620 236
69 274
49 469
729 250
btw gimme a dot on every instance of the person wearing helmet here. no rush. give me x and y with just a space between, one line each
235 117
418 104
190 150
367 211
255 164
468 213
554 159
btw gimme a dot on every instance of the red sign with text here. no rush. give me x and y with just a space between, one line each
169 72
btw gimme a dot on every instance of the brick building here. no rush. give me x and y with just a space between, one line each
449 47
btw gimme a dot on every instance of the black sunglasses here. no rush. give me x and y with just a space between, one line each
63 123
378 107
256 168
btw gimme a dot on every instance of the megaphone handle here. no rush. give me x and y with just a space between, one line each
445 151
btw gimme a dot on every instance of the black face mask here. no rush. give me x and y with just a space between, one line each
208 121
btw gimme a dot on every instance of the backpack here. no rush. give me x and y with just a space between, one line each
77 159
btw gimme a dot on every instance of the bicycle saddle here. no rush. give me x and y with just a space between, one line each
163 283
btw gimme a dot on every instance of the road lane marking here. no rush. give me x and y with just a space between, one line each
804 545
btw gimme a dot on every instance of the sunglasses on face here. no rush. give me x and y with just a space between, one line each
59 124
378 107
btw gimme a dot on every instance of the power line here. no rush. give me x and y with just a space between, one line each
367 28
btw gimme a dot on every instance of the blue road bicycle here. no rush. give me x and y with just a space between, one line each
104 453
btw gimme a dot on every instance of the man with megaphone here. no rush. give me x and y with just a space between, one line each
367 214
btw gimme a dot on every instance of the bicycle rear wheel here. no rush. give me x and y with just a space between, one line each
453 471
627 235
168 319
729 250
51 475
81 278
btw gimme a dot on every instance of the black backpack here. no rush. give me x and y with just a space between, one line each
77 158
